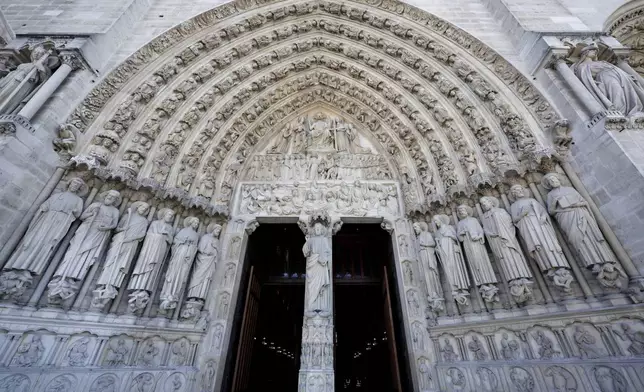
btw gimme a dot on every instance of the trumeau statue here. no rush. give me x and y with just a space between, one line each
129 233
471 234
184 249
427 256
86 246
451 257
148 265
501 235
611 86
317 251
20 84
207 253
576 220
536 229
47 229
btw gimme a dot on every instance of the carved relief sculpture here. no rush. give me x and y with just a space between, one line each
449 355
184 249
427 257
546 346
20 84
205 263
501 235
317 251
153 253
451 258
636 339
29 352
47 229
611 86
536 229
471 234
477 348
86 246
129 233
587 343
509 348
578 224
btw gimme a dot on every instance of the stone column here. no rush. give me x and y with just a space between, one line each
622 62
70 62
589 103
316 363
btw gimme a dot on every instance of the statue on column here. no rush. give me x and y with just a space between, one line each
207 253
501 235
184 249
21 84
148 266
451 257
427 258
129 233
317 251
86 247
536 229
471 234
578 224
613 87
48 227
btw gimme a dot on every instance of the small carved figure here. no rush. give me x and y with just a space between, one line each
610 380
546 346
86 246
65 143
148 353
477 348
586 343
636 339
425 376
179 352
78 353
562 379
509 348
29 352
117 352
449 355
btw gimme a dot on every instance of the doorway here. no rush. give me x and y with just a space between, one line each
368 320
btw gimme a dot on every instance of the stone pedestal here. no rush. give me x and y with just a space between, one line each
316 363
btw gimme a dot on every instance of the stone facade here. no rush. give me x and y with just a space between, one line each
499 146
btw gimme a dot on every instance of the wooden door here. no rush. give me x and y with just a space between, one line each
241 376
391 337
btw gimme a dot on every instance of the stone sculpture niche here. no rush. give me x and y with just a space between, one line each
451 258
207 254
539 235
52 221
87 245
471 234
578 224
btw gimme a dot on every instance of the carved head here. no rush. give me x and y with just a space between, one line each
112 198
517 191
141 208
463 211
38 53
75 185
551 181
589 52
167 215
215 229
440 220
192 222
318 229
489 202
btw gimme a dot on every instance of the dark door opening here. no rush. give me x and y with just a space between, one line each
268 321
367 312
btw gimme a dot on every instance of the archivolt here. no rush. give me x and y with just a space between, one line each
186 110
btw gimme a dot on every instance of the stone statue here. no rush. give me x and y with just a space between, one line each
427 256
85 247
153 253
320 135
471 234
184 249
129 233
612 87
636 338
536 229
586 343
20 84
207 253
501 235
317 251
578 224
451 258
52 221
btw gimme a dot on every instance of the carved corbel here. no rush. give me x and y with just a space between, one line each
387 226
251 226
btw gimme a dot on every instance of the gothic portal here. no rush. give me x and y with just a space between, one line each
308 166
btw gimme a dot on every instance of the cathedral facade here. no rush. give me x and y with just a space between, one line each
497 144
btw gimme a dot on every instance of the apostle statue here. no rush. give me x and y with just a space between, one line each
536 229
89 241
20 84
427 258
501 235
48 227
471 234
317 251
451 257
611 86
129 234
153 253
577 223
207 253
184 249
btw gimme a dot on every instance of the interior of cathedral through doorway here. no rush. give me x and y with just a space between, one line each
318 195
